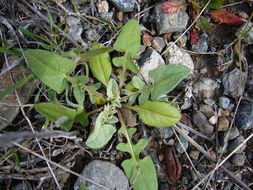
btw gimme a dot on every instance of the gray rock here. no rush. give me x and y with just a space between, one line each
104 173
168 23
233 144
72 21
207 110
234 132
248 38
200 120
204 88
182 40
244 116
228 186
9 113
177 55
124 5
238 159
234 82
209 101
92 35
185 144
158 44
106 16
224 102
166 132
222 124
202 46
75 32
150 60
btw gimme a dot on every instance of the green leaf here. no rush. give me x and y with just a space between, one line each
81 117
95 52
92 97
119 62
15 86
10 51
53 112
50 67
203 24
112 93
103 130
101 66
165 78
140 172
157 114
129 39
214 4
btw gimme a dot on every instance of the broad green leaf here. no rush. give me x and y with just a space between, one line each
103 129
165 78
50 67
129 39
95 52
100 66
15 86
120 61
81 117
140 172
53 112
157 114
138 83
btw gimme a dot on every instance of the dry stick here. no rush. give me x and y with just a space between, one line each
223 161
59 166
187 28
210 157
46 19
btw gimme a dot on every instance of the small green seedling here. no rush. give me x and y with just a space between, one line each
112 93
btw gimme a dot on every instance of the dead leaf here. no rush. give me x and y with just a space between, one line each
224 16
173 6
173 165
129 117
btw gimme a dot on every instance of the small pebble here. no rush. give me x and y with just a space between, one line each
194 154
233 144
72 21
103 7
158 44
234 132
213 120
120 16
147 39
224 102
238 159
92 34
206 110
201 122
222 124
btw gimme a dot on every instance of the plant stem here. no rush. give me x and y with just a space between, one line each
94 111
123 72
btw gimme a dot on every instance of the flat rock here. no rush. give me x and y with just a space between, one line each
92 35
150 59
158 44
177 55
124 5
200 120
104 173
9 113
224 102
244 116
202 46
234 82
234 132
222 124
238 159
168 23
207 110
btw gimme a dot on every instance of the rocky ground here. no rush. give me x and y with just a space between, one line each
210 148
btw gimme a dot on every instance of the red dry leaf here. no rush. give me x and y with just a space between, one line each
224 16
194 38
173 165
173 6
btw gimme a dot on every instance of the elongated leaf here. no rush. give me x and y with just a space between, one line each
129 39
50 67
53 112
157 114
112 92
120 61
101 66
103 129
165 78
140 172
15 86
10 51
95 52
